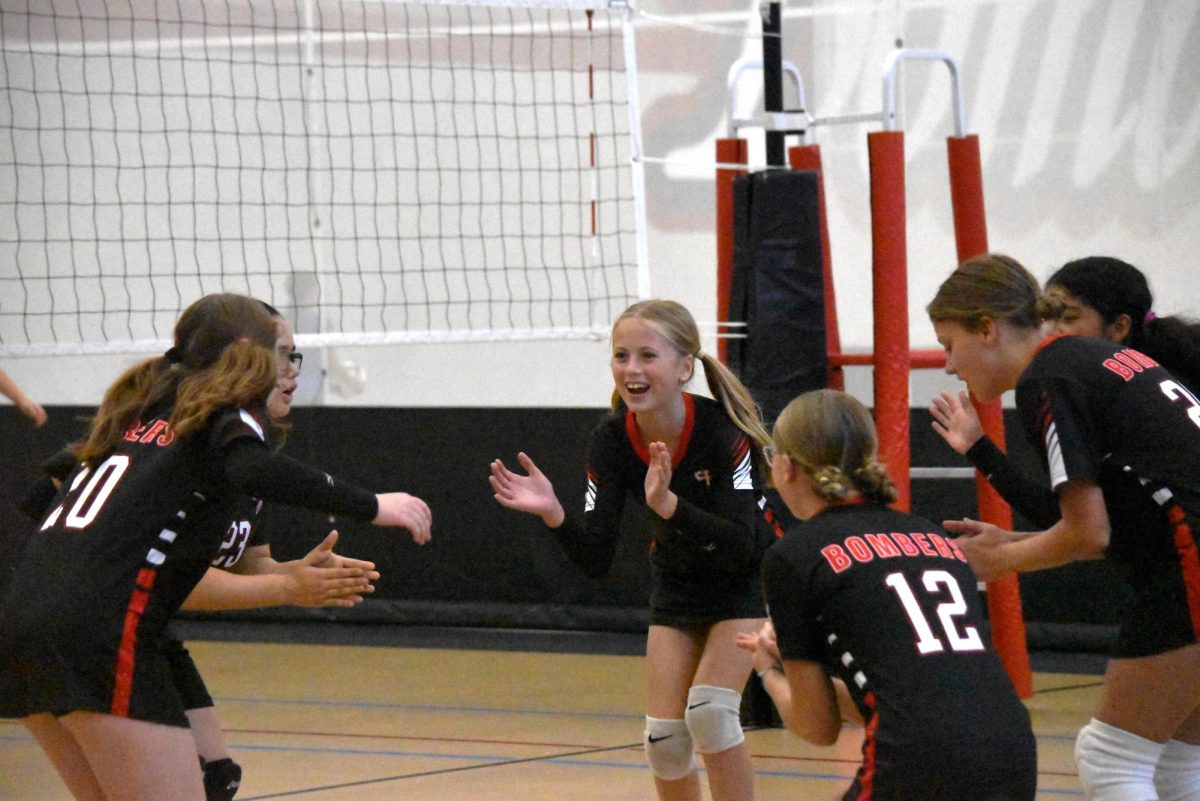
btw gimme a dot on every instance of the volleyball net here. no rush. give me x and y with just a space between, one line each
383 170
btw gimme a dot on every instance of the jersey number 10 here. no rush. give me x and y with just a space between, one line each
103 480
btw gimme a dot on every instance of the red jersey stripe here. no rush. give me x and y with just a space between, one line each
866 783
1189 563
123 685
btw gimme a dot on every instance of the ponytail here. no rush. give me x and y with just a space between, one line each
736 399
146 382
1173 342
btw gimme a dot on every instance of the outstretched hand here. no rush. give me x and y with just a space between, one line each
532 493
405 511
955 420
658 482
323 578
325 557
982 544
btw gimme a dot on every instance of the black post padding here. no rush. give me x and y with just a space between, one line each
778 288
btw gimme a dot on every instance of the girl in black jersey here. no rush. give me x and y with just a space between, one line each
176 441
1100 297
883 602
1107 419
688 464
246 575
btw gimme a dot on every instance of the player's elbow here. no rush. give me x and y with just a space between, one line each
1089 541
814 726
821 733
1097 541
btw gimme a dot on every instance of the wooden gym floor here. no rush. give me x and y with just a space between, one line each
336 722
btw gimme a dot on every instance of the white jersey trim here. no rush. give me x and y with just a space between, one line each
742 478
589 500
1054 458
249 420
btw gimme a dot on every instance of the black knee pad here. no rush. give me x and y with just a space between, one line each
222 777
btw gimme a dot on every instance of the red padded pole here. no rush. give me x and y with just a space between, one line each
1004 596
808 157
729 151
889 246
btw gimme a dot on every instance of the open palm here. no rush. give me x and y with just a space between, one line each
532 493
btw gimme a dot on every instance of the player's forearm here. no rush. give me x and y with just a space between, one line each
9 388
256 565
220 590
1059 545
811 714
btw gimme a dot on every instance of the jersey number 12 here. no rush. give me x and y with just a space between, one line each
927 642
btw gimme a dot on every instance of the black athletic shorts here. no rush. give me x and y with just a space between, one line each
689 602
185 674
1158 617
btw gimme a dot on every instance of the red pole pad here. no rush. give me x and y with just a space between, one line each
889 246
1004 596
966 196
729 151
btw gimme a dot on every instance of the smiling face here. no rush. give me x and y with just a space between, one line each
279 403
974 357
647 370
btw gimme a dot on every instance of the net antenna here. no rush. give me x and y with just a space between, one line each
382 171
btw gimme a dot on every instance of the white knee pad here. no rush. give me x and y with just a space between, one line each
1115 765
669 748
1177 775
714 718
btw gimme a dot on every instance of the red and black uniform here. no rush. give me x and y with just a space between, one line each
1110 415
887 602
82 625
705 560
245 530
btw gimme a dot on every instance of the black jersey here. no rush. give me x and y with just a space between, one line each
246 530
888 603
706 558
1108 414
122 546
719 525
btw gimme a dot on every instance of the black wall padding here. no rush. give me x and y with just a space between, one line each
777 287
491 567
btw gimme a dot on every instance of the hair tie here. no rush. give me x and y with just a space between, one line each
1150 317
173 355
700 354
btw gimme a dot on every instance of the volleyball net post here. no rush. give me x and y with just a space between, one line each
1004 595
892 359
